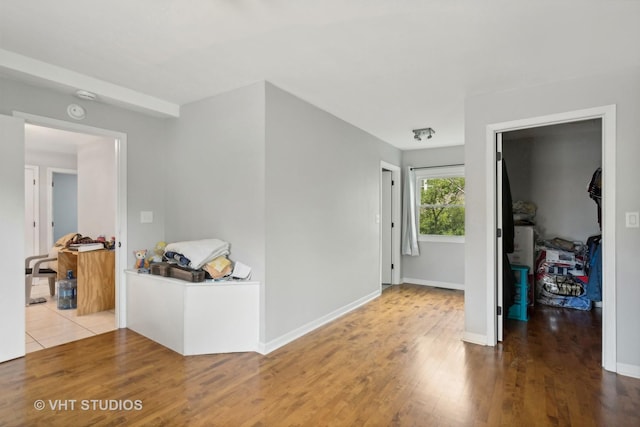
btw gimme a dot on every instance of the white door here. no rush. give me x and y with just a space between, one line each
386 227
31 215
12 299
499 243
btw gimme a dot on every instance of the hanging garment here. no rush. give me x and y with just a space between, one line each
595 192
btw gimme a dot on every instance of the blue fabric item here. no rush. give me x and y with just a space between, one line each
181 259
594 286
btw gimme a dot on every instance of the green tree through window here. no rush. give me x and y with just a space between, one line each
442 206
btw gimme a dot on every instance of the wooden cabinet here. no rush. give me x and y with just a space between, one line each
95 272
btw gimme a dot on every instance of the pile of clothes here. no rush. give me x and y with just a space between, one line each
560 277
208 255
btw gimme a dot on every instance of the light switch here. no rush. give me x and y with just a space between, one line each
633 219
146 217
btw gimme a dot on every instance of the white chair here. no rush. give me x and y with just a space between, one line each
36 271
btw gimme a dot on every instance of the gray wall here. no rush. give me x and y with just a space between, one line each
622 89
322 197
553 169
146 140
438 263
214 176
292 188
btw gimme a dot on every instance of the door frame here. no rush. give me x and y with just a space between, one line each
396 193
50 172
36 207
607 114
120 147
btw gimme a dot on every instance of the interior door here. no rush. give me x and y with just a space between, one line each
499 241
386 226
31 221
12 344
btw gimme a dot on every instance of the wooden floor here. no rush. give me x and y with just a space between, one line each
398 361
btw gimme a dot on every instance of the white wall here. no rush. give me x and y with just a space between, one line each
12 298
622 89
553 169
439 264
45 160
97 189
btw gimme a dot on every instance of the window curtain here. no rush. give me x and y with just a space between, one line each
409 222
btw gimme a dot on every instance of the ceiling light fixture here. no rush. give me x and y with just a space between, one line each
86 95
422 134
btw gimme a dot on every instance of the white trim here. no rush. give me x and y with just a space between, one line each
434 238
475 338
436 171
108 93
120 144
431 283
608 115
632 371
50 172
265 348
396 218
36 207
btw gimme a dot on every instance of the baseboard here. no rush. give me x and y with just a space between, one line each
265 348
445 285
474 338
632 371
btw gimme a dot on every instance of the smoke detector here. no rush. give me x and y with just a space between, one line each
76 112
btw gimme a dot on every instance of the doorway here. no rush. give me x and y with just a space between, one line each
494 134
62 204
31 210
549 169
389 220
113 206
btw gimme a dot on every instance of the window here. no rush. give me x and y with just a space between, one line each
441 204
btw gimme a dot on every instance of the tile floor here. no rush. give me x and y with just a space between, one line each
46 326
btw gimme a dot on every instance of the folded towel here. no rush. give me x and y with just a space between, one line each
199 252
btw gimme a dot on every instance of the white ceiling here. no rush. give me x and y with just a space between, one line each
385 66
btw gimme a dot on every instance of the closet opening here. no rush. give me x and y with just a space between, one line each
554 263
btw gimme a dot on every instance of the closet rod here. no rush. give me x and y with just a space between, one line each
439 166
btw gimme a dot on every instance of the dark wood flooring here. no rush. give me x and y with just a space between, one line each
398 361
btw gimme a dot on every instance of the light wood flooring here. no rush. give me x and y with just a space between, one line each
397 361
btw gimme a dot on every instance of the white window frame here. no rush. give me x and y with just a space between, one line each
436 172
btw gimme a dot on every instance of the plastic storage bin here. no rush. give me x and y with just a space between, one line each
67 292
518 310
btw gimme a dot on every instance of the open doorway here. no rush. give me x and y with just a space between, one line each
95 159
494 138
556 224
62 203
389 220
